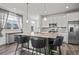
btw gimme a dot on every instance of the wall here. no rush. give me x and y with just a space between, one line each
3 38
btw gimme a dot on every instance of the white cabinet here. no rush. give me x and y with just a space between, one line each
62 20
49 19
9 38
73 16
53 20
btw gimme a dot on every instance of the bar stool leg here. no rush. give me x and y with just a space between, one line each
32 51
16 48
45 50
21 48
59 50
28 46
36 51
40 51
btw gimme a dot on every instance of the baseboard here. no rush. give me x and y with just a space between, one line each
73 43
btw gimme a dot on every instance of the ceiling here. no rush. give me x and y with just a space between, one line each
39 8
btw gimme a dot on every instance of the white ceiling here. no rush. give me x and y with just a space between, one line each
40 8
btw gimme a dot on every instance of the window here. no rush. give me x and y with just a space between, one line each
9 20
13 22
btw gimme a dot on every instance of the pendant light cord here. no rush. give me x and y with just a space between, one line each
45 9
27 11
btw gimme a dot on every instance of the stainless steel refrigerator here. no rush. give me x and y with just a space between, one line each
73 32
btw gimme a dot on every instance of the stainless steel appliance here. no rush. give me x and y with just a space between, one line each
73 32
53 27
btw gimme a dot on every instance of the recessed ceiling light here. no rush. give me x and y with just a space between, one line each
67 7
45 18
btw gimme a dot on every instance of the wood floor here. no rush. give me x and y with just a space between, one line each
70 49
7 49
67 49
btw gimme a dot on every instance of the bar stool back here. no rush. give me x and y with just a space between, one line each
38 43
58 42
21 40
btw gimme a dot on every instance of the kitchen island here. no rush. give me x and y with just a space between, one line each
42 35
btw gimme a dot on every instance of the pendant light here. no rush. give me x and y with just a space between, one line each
27 14
66 6
45 11
45 18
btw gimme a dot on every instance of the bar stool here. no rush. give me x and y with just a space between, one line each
21 40
26 39
57 44
38 43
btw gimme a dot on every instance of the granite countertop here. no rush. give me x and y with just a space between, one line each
41 34
12 31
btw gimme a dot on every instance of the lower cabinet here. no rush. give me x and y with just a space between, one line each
10 38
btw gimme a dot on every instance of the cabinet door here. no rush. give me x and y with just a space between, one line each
54 19
50 19
62 20
10 38
73 16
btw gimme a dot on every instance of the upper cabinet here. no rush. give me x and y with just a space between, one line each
73 16
60 20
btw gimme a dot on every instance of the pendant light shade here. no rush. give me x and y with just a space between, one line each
45 18
27 21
